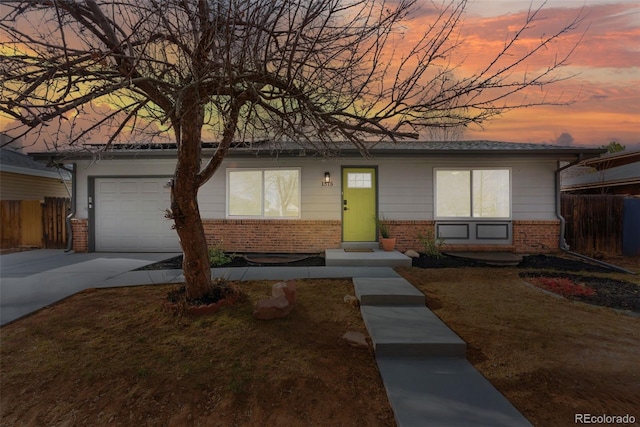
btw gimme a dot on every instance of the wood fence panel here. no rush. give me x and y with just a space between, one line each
9 224
55 211
594 223
31 222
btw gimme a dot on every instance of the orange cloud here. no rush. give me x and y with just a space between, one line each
605 90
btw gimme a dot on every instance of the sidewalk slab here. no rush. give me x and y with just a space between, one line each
387 291
276 273
340 272
410 331
375 258
444 392
229 273
141 277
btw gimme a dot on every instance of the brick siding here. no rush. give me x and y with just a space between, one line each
536 236
80 230
310 236
286 236
528 237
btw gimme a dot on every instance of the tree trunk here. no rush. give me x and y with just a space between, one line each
184 206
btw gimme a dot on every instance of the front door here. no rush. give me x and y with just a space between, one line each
358 204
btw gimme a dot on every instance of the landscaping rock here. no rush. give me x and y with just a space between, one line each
356 339
286 289
412 254
351 300
274 308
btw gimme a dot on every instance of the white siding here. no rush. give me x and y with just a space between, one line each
533 190
405 189
405 185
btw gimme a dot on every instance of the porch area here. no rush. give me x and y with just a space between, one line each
365 256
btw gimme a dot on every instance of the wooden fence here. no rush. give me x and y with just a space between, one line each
594 223
30 223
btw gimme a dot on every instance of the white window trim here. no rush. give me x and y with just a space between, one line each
471 218
262 216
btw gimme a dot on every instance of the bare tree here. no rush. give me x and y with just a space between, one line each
313 71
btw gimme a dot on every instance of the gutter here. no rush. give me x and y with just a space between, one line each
563 243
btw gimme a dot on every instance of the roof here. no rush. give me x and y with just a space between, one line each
15 162
610 160
336 149
628 174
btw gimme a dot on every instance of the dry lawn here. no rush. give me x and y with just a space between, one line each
113 357
550 357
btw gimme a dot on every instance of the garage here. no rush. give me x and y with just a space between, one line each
129 215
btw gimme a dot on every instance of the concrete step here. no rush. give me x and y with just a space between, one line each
375 258
444 392
360 245
410 331
387 291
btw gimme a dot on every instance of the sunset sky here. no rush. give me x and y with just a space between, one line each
605 90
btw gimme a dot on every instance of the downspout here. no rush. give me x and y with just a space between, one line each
73 207
563 243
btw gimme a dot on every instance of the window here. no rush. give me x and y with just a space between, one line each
473 193
359 180
268 193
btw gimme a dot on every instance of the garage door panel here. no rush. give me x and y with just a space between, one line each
151 187
129 187
130 215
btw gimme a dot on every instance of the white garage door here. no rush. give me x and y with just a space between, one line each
130 215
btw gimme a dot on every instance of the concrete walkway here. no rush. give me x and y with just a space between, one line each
35 279
32 280
421 361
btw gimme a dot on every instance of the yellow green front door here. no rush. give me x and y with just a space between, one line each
358 204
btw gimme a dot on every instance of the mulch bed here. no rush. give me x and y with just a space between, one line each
582 287
248 260
592 290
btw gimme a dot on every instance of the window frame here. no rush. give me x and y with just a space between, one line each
262 215
471 217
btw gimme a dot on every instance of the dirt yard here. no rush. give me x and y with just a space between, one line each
552 358
114 357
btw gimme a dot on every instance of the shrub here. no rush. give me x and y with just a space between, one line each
430 244
217 256
383 226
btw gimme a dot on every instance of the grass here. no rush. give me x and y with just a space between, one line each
114 356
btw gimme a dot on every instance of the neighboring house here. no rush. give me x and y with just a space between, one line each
24 185
22 178
617 173
601 203
476 195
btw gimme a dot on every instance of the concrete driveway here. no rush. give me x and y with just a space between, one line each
34 279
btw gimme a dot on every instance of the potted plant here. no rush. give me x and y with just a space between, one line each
388 243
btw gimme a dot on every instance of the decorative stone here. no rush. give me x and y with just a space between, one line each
285 289
412 254
351 300
356 339
274 308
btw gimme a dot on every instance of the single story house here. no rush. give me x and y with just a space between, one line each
476 195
